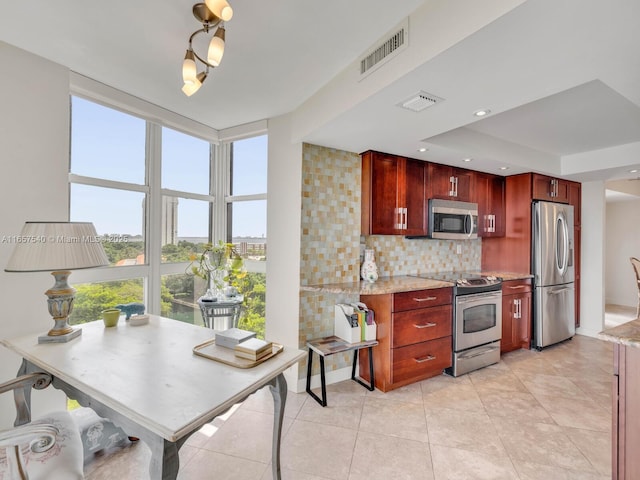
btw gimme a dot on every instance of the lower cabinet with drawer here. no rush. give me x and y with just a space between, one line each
516 315
414 334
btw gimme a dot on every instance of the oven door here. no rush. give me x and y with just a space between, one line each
478 320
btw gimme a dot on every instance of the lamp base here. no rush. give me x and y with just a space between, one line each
74 333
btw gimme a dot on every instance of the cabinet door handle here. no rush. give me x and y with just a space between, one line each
516 287
452 192
455 186
398 214
519 308
404 222
425 325
425 299
428 358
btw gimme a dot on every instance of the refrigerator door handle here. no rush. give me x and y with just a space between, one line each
562 244
560 290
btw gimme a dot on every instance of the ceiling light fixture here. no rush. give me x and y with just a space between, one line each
422 149
211 14
482 113
467 159
504 168
635 170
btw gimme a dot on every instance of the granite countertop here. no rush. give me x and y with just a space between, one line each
626 334
384 285
506 276
401 283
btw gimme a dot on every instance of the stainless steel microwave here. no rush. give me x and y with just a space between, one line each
453 220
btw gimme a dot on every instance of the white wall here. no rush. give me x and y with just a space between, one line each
592 259
284 187
622 234
34 135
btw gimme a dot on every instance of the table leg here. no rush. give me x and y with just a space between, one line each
278 387
164 459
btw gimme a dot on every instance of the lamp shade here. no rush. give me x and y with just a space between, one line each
216 47
50 246
220 8
189 72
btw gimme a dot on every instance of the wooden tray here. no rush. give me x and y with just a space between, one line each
226 355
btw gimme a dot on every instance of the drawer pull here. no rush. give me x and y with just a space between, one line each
426 325
426 299
428 358
517 287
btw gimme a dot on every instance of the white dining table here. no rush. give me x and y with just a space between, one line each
147 380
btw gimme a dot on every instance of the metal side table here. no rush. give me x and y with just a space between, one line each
221 314
329 346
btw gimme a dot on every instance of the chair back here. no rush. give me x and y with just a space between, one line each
635 263
48 448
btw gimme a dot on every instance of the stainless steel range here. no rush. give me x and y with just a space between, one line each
477 320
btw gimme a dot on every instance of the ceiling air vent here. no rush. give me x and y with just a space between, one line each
419 101
388 48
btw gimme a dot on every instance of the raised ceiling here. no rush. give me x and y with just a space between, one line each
562 79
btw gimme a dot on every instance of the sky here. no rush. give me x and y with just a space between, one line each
109 144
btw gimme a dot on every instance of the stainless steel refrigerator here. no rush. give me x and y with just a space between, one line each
554 292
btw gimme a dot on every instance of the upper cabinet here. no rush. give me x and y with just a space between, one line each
393 195
449 183
550 189
488 193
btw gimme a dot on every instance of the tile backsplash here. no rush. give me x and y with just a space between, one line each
396 255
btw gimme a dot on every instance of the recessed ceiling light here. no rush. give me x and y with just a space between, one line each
467 159
635 170
482 113
422 149
504 168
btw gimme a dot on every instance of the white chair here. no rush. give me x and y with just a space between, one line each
46 448
636 268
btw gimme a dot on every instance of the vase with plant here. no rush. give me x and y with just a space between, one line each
221 266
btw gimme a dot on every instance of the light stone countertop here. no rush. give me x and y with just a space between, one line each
626 334
383 285
401 283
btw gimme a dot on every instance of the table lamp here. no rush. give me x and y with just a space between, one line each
58 247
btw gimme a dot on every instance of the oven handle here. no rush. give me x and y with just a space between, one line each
428 358
426 325
477 353
485 297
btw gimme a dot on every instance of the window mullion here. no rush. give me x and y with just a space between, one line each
153 226
220 190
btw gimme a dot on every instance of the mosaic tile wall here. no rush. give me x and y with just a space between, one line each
396 255
332 248
330 239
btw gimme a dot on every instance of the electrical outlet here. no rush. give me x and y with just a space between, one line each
458 249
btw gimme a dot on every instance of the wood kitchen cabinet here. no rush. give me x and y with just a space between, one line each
516 315
550 189
575 199
393 195
414 336
626 412
488 193
449 183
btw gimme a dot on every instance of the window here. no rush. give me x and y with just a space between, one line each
247 220
158 194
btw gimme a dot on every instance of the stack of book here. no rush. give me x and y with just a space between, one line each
253 349
232 337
